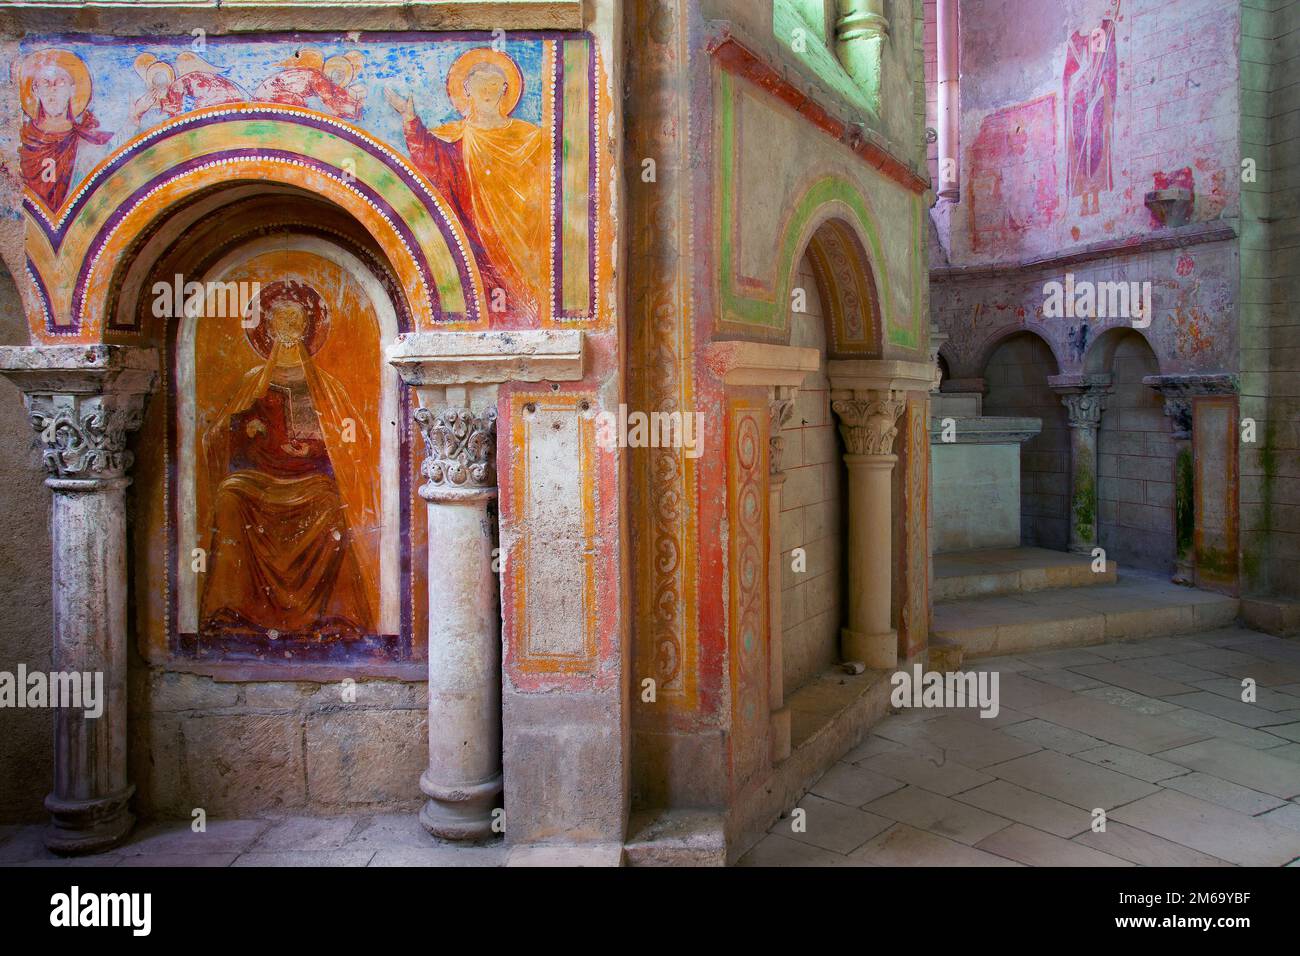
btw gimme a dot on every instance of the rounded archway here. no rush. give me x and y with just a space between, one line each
1135 456
1015 377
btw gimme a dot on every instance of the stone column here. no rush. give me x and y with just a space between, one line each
84 401
1084 399
782 407
860 31
869 425
463 780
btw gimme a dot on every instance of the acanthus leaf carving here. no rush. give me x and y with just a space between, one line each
85 437
870 426
461 449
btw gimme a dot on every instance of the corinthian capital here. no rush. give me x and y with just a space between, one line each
84 436
461 446
869 426
1084 408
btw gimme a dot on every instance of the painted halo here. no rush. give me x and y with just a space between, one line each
464 65
293 290
64 60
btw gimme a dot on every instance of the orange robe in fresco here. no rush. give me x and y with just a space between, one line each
498 179
283 555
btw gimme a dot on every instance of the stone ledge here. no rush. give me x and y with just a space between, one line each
985 430
467 358
761 363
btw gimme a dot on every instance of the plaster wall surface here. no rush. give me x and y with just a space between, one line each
975 496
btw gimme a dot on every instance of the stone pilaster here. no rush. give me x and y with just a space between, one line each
84 401
463 780
1084 398
869 425
1178 392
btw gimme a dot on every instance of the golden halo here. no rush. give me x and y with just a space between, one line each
70 63
313 306
466 62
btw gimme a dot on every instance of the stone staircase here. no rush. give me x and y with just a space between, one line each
1012 601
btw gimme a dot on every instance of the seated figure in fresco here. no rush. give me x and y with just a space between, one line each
283 561
492 168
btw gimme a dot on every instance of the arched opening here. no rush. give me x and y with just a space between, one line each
1015 382
812 502
1135 456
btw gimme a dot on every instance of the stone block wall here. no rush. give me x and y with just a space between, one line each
1015 382
1135 490
1270 280
812 515
244 749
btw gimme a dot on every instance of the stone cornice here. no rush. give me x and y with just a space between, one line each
761 363
1176 238
859 376
470 358
985 430
869 146
142 17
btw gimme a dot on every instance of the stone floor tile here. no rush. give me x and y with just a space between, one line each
304 858
1036 848
308 833
1225 793
1069 657
1072 781
1287 815
870 747
1130 762
1218 831
1051 737
1130 678
1248 715
1286 752
902 845
1138 703
1065 679
853 786
775 850
388 830
1210 726
174 837
1005 717
1138 846
1115 724
1172 668
944 777
1267 697
935 814
26 843
1020 692
445 855
830 825
180 859
1246 766
1289 731
973 745
1024 806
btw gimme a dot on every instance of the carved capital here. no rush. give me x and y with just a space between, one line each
1084 408
84 436
1178 408
461 446
780 409
870 426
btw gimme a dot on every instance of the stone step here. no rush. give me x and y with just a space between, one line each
944 655
969 574
1138 605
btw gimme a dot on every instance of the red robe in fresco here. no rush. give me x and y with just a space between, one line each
1090 83
39 146
297 86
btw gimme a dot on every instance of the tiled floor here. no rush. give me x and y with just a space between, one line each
1154 733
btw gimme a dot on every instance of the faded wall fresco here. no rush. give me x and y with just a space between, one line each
493 145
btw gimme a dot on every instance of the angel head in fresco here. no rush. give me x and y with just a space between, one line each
308 77
288 487
191 84
55 90
492 168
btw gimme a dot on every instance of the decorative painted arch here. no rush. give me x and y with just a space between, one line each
74 256
832 218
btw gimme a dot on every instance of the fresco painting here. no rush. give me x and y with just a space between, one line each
1090 85
498 136
282 466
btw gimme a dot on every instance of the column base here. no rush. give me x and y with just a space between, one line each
459 812
877 651
779 726
88 826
